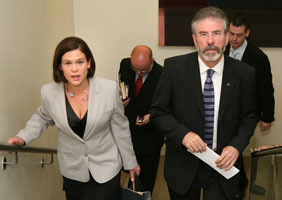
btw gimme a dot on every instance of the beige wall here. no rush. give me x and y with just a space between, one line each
30 30
112 28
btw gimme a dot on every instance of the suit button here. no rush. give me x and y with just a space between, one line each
85 154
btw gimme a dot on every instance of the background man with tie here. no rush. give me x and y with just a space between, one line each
241 49
141 73
204 98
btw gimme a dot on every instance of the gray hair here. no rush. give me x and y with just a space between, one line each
208 12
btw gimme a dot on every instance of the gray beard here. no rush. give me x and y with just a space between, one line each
213 58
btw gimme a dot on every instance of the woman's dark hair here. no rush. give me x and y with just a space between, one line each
66 45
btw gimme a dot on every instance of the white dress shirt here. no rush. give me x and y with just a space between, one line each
217 80
238 52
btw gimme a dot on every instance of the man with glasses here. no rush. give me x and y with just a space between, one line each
141 73
204 100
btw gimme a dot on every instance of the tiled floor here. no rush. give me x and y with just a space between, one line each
160 191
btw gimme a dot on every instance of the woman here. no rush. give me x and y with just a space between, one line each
94 140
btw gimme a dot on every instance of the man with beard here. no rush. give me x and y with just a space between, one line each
205 100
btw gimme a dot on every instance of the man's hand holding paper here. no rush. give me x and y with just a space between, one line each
194 143
227 158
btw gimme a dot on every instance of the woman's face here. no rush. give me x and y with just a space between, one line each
75 67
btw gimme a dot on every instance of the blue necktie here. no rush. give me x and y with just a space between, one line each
234 54
208 97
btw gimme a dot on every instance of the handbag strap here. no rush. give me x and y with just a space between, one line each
126 182
137 186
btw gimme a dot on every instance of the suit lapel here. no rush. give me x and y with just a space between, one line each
131 82
60 108
93 105
246 54
147 82
192 72
228 83
60 103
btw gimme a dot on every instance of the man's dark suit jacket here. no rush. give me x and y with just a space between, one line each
146 139
265 98
178 108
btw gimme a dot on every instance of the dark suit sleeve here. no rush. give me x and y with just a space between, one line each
161 111
265 89
248 117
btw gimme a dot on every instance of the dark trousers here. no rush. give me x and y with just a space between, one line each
92 190
243 181
254 169
206 178
149 168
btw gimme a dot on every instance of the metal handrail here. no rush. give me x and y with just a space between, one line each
16 149
13 148
270 151
273 187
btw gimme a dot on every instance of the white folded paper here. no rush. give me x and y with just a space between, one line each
209 157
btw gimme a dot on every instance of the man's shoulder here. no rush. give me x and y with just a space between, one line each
182 58
238 66
157 67
255 51
125 62
125 65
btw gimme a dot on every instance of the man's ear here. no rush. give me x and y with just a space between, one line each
194 39
248 32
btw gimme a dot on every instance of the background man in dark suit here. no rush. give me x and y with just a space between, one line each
147 141
241 49
194 108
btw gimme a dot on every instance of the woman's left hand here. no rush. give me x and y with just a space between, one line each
135 170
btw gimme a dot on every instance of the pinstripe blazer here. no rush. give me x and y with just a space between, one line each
106 145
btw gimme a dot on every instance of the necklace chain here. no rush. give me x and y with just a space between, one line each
72 94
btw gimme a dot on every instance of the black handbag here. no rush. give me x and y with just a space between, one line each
135 191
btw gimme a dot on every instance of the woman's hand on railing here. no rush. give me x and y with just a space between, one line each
16 141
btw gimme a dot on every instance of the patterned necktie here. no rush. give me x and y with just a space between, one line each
208 97
138 85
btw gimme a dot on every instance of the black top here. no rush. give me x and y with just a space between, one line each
264 87
76 124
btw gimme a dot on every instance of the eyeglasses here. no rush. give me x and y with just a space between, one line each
142 71
214 34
